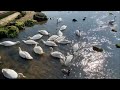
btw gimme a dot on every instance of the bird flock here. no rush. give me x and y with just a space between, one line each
52 41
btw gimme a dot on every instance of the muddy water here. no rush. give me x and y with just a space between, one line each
86 63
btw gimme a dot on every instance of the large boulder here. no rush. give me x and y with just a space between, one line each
3 33
30 22
40 17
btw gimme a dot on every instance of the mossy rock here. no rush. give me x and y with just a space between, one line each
97 49
20 25
19 16
30 23
12 31
40 17
3 33
117 45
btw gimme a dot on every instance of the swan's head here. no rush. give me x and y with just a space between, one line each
23 40
42 40
18 42
21 75
29 37
51 48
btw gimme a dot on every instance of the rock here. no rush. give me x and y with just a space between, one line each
3 33
74 20
20 25
40 17
50 18
66 71
30 23
12 31
95 48
117 45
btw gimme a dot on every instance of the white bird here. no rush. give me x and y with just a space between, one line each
59 39
49 43
11 74
77 32
36 37
69 57
75 47
30 42
59 20
44 32
57 54
63 27
64 42
38 50
24 54
53 38
59 33
9 43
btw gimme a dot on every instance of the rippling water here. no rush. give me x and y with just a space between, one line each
86 64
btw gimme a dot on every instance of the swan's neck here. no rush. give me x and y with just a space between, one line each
19 49
51 49
20 75
43 41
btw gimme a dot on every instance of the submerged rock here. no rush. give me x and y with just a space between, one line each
95 48
74 20
40 17
117 45
114 30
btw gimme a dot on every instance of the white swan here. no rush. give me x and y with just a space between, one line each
57 54
77 32
49 43
38 50
69 57
63 27
9 43
44 32
59 20
11 74
59 39
36 37
75 47
24 54
64 42
30 42
53 38
59 33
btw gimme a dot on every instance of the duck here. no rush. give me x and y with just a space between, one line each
66 71
63 27
59 20
44 32
12 74
59 33
64 42
57 54
84 18
36 37
53 38
74 20
30 42
75 47
38 50
77 32
49 43
9 43
25 54
112 21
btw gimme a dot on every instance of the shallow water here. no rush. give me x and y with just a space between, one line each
86 63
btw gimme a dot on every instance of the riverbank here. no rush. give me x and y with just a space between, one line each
9 18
